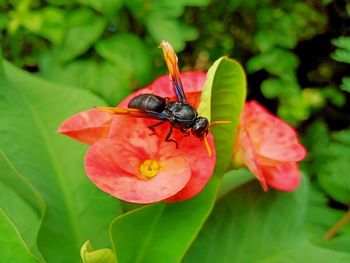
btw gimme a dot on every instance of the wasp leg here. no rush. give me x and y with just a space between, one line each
185 133
168 136
151 127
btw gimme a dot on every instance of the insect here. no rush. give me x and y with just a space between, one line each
179 113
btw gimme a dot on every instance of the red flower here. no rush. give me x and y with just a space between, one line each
126 162
269 147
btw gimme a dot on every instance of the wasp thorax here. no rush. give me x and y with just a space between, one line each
200 127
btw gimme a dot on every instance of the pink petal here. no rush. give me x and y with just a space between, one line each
124 103
87 126
134 132
111 178
202 166
284 177
194 99
133 138
192 81
272 137
247 153
133 142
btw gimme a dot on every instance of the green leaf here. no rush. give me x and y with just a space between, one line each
12 247
84 28
345 85
107 7
31 111
100 78
316 138
342 42
111 86
196 2
223 99
342 53
161 19
88 255
266 40
320 217
60 2
342 137
129 53
47 22
335 96
2 72
163 232
276 61
21 202
204 108
249 225
335 182
272 88
233 179
327 152
172 30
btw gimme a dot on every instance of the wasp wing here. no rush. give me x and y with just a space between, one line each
172 64
135 113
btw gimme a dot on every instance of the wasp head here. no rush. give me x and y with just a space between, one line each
200 127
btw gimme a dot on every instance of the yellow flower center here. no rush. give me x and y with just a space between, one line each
149 169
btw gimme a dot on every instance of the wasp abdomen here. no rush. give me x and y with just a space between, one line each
148 102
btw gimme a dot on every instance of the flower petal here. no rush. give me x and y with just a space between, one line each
194 98
133 142
284 177
124 103
247 153
133 138
134 132
111 178
272 137
87 126
195 153
192 81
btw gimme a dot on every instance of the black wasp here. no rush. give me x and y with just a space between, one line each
179 114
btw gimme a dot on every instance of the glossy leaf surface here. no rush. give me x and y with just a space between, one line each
21 202
249 225
76 210
12 247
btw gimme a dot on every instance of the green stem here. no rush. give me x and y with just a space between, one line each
338 226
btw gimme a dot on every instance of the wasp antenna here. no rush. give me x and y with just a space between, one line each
218 122
105 109
207 146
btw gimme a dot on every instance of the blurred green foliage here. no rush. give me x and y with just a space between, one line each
109 46
297 57
327 151
104 46
342 54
